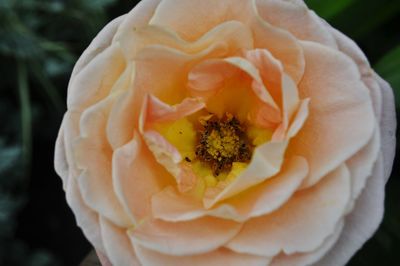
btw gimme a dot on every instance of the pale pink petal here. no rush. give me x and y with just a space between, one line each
86 218
268 196
139 16
362 223
60 158
362 163
271 71
184 238
156 111
93 156
302 224
305 259
98 44
118 248
136 177
297 19
95 81
215 258
341 118
388 126
299 119
258 86
266 162
103 259
206 78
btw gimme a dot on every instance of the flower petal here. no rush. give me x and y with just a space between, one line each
265 198
388 126
94 82
204 235
136 177
98 45
362 223
305 259
118 248
266 162
93 156
302 224
156 111
341 118
295 17
168 87
86 218
362 163
215 258
179 17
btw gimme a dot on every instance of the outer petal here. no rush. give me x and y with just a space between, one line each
304 259
60 158
297 19
204 235
362 163
95 81
341 118
302 224
388 127
98 45
117 245
93 155
86 218
215 258
362 223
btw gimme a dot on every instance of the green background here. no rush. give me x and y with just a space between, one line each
39 43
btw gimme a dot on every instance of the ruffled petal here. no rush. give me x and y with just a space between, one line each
169 86
86 218
98 45
362 163
204 235
302 224
118 248
215 258
362 223
341 119
95 81
136 177
93 156
305 259
295 17
388 126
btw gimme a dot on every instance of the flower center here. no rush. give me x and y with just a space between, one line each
222 142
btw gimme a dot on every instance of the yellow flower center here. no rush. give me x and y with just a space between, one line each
222 142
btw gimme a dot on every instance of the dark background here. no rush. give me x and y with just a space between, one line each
39 43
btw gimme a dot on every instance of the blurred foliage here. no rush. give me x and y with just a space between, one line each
40 40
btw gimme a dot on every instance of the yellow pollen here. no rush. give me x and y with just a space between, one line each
223 142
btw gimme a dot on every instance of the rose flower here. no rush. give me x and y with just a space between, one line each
229 132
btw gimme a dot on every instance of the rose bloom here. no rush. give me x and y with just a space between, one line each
227 132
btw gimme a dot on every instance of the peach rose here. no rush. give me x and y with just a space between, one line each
229 132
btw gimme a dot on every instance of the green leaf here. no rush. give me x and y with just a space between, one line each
328 9
389 69
26 114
